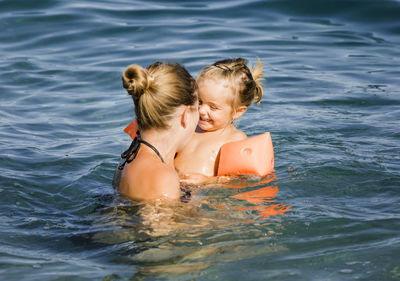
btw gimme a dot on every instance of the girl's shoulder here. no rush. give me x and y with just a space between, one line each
214 140
237 135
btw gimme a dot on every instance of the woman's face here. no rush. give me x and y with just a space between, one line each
191 121
193 116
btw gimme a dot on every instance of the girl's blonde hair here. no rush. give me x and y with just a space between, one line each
245 83
157 92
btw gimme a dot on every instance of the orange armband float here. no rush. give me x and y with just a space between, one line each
251 156
131 129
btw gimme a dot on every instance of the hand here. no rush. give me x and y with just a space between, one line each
194 178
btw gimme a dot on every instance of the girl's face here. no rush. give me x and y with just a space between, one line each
215 104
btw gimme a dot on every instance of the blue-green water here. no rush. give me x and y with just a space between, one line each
331 103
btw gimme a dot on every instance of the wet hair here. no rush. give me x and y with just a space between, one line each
158 91
245 83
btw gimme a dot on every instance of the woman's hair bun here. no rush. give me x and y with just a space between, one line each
135 80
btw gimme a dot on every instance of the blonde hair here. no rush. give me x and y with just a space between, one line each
157 92
245 83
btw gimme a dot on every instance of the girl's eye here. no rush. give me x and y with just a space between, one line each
213 107
200 102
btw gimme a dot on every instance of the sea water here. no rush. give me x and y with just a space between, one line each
331 209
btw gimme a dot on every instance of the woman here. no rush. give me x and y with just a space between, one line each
166 108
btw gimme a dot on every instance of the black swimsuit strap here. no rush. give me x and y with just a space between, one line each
153 148
130 154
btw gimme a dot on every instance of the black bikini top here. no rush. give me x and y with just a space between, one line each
130 154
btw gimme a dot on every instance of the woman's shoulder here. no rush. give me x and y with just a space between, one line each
159 181
164 181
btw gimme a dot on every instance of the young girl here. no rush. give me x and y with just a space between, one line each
225 90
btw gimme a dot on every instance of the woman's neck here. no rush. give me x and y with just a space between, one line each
164 142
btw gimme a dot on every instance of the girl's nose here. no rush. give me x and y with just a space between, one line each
202 110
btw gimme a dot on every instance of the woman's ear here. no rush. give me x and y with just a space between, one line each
184 117
240 110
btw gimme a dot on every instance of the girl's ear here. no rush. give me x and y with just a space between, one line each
239 111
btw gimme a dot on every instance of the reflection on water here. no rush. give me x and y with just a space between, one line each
221 223
227 204
262 199
259 197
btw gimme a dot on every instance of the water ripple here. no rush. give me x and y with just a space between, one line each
331 104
